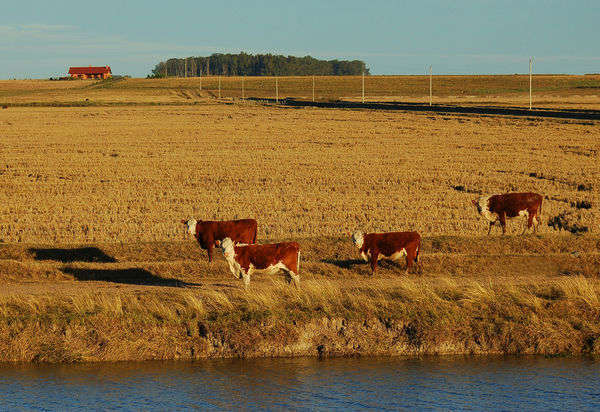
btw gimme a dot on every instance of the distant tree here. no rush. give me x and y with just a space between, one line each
244 64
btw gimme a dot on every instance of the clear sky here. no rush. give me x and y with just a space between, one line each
43 38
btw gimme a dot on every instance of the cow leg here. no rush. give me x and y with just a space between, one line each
295 278
209 249
374 256
246 277
416 261
409 260
503 222
490 228
531 220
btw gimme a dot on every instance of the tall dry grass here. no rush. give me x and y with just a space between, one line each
404 316
523 295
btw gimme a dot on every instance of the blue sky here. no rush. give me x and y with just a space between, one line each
42 38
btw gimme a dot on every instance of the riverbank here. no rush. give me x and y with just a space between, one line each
162 300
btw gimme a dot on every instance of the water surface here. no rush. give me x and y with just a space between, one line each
303 384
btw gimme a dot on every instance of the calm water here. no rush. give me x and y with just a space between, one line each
500 383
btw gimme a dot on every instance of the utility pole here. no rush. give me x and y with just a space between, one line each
363 92
530 79
313 88
276 90
430 86
185 74
243 87
219 86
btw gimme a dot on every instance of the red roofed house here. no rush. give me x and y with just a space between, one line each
90 72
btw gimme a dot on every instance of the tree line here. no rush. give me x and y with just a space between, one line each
243 64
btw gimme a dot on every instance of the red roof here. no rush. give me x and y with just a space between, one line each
89 70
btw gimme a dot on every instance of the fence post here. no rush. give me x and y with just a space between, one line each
313 88
530 69
363 86
430 87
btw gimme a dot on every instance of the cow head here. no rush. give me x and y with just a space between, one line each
483 208
191 225
227 248
358 239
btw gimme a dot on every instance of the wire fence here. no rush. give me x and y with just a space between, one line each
496 89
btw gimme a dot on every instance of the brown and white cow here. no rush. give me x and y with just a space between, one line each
207 232
271 258
497 208
392 245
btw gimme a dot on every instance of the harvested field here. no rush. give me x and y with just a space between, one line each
76 175
96 266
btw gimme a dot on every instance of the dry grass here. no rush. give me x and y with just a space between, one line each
78 175
95 265
164 301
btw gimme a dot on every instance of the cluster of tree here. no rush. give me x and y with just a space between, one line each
257 65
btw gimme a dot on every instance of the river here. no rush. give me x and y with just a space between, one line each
516 383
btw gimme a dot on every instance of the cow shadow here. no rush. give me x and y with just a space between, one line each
131 276
344 263
67 255
387 264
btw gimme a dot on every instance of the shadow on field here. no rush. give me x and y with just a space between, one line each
81 254
383 264
344 264
583 114
131 276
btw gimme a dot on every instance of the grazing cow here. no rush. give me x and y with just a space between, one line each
209 232
393 246
496 208
245 259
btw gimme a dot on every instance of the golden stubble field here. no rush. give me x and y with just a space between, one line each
77 175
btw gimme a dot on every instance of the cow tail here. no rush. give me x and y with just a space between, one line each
255 232
417 254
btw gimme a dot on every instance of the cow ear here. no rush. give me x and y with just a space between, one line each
183 221
218 243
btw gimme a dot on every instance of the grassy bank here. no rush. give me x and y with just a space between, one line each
531 295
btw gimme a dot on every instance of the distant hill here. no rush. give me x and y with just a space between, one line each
243 64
